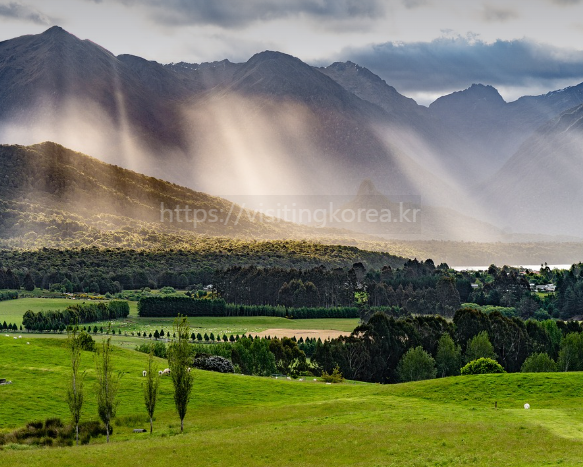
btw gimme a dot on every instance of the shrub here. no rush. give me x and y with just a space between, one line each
36 425
482 366
53 423
335 377
539 363
51 433
213 363
86 342
416 365
221 350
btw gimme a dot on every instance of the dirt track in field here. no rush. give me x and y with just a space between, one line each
305 333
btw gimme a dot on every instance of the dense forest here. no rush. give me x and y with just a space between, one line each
416 288
112 270
374 349
298 275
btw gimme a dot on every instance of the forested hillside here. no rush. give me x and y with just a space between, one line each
109 270
49 191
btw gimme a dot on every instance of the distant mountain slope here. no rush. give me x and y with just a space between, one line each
480 116
540 188
413 128
411 219
295 129
270 126
363 83
55 76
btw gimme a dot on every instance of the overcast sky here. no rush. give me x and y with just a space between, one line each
425 48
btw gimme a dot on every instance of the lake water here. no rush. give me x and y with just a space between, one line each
534 267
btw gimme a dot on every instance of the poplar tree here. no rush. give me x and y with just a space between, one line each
151 387
107 386
76 379
178 361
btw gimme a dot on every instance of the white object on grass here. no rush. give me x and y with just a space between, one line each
527 406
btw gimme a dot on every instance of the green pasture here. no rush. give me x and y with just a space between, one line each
243 420
11 311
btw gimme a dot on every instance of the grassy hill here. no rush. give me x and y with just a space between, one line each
242 420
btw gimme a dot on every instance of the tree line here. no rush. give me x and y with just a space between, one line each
8 295
75 314
374 349
171 305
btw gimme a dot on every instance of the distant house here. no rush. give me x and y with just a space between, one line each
546 288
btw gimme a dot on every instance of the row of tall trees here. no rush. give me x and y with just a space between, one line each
75 314
169 306
108 379
106 387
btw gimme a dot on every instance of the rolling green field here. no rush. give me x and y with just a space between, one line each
242 420
11 311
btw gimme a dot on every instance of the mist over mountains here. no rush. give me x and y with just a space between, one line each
275 125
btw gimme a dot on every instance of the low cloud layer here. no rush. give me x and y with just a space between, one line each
20 11
234 13
456 62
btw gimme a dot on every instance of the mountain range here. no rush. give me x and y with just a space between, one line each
276 125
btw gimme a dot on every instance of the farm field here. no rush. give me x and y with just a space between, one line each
243 420
11 311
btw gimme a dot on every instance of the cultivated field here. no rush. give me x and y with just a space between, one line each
11 311
243 420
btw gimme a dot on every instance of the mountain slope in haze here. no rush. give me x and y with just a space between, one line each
408 218
51 186
539 189
289 114
419 133
483 118
199 125
272 125
363 83
46 76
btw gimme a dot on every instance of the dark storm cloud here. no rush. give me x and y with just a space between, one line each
448 63
566 2
410 4
502 15
236 13
17 10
